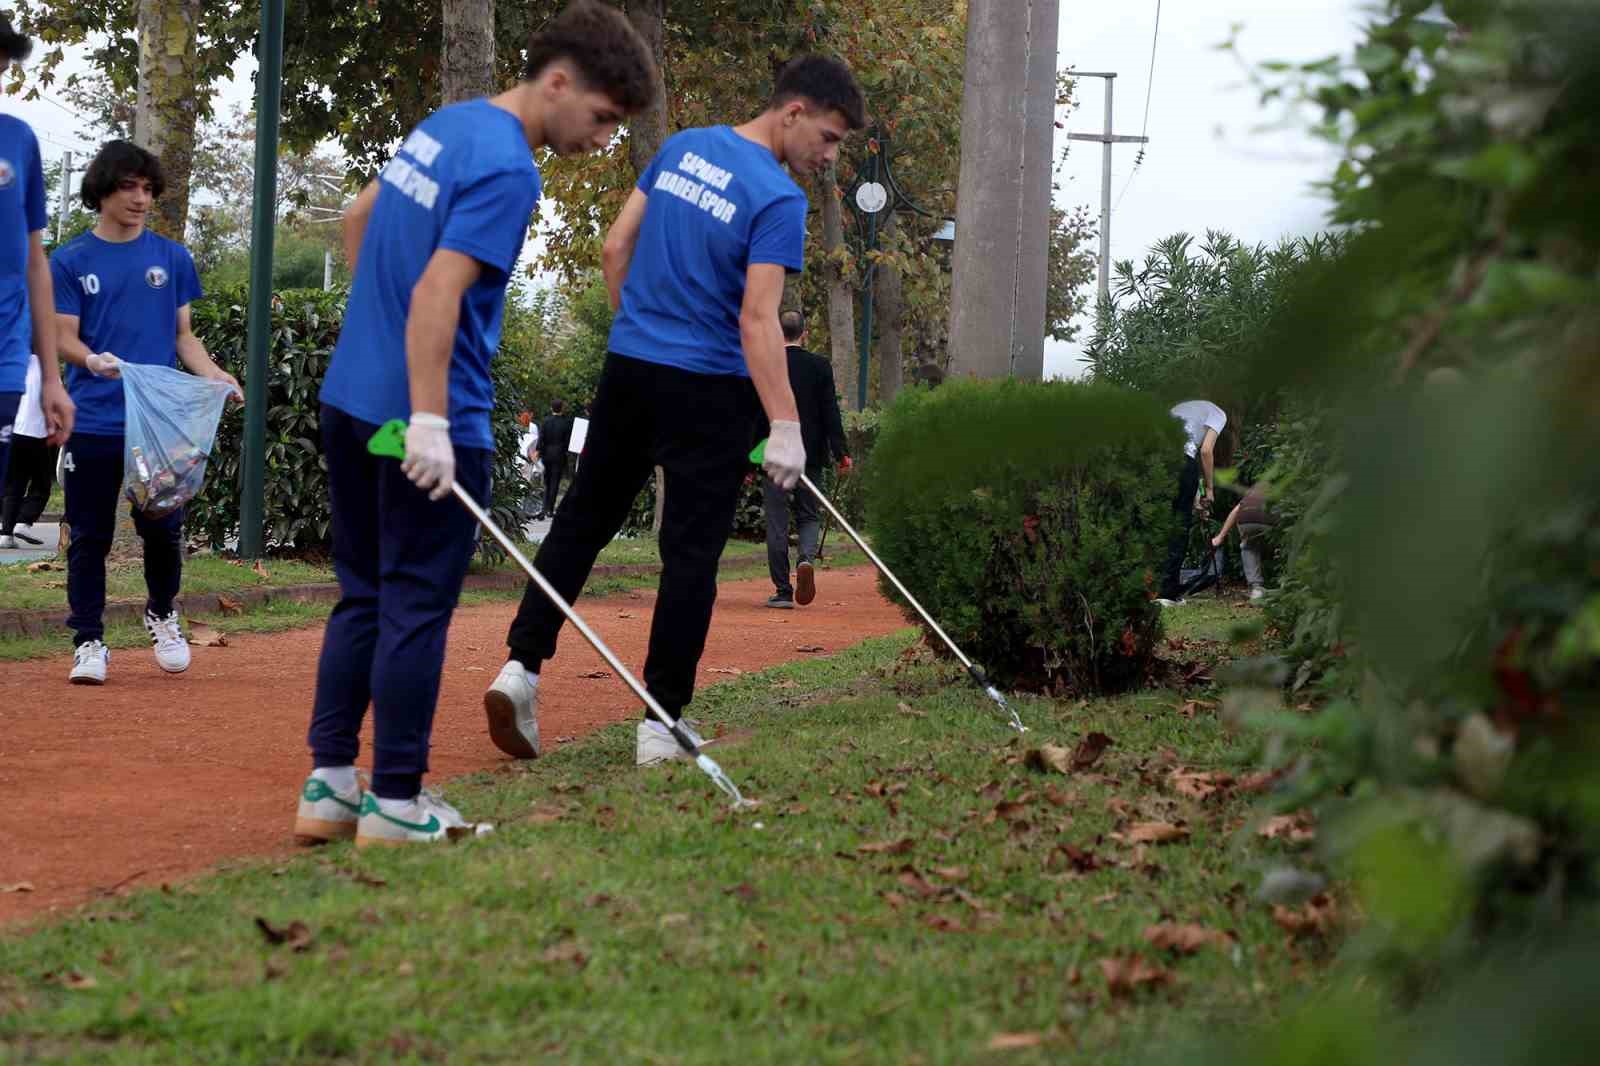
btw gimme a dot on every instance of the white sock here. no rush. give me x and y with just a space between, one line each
389 806
658 727
338 778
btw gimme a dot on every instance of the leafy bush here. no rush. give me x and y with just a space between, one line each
1035 544
305 326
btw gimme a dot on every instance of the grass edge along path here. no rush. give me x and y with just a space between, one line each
909 890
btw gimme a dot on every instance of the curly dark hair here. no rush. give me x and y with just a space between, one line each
825 82
610 55
13 45
114 163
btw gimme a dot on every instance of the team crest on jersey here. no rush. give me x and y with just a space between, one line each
156 277
8 174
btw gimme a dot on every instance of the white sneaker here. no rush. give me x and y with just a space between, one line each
89 663
1165 602
8 541
326 815
1257 592
512 704
653 744
166 636
428 818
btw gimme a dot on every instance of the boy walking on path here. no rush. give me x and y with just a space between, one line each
555 433
822 432
27 304
695 264
122 295
433 242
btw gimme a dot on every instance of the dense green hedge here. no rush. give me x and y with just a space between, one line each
305 325
1035 543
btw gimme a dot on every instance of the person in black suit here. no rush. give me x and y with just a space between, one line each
822 432
555 433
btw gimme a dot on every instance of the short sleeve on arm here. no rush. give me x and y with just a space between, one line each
779 234
69 299
187 278
38 216
488 219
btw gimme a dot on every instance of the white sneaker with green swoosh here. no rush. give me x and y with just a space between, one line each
326 815
427 819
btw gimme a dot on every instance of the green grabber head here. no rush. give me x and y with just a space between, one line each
758 455
390 440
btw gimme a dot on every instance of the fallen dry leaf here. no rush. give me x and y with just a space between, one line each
296 934
810 647
1080 860
568 950
1059 799
1089 750
887 847
229 604
1184 939
595 675
1315 918
406 969
894 899
724 670
907 709
260 570
77 982
1260 782
744 890
951 873
1047 757
545 813
43 565
1118 807
1198 784
943 923
1127 974
1014 1041
18 886
1109 897
625 614
916 883
1296 828
204 636
1153 833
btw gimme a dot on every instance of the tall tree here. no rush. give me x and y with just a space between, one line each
169 90
839 276
648 129
467 70
891 306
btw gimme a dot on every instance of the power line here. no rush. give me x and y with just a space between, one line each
1149 89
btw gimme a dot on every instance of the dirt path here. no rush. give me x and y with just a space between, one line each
154 777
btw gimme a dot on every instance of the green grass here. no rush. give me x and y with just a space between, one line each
277 616
25 589
628 916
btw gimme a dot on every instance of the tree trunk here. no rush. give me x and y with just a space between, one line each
841 294
891 306
646 132
164 121
467 69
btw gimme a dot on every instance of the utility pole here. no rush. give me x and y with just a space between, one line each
66 194
1002 248
1106 139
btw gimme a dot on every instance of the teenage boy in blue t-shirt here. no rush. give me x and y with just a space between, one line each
122 295
27 323
695 264
433 241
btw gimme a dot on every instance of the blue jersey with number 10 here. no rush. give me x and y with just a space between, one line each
126 296
22 213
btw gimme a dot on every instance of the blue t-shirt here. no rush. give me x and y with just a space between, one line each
21 213
463 180
718 203
126 295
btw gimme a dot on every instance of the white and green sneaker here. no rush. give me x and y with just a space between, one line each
326 815
426 819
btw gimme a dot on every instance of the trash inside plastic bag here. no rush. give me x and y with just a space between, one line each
172 421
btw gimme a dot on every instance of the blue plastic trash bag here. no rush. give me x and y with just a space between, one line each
172 421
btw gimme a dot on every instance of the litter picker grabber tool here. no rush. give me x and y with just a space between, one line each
758 456
390 441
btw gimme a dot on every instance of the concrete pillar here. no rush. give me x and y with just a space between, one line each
1003 201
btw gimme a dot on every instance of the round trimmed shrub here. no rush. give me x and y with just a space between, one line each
1030 518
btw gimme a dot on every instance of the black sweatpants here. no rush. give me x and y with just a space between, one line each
28 476
1183 517
699 428
555 468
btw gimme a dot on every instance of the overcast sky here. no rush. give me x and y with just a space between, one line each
1207 164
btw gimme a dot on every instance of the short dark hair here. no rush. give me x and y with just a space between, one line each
116 162
610 55
13 45
556 406
825 82
793 323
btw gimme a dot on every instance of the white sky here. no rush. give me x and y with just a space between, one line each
1204 167
1207 165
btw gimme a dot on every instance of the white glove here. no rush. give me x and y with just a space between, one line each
786 455
430 461
104 365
